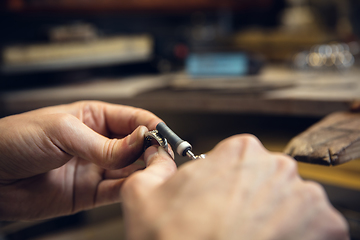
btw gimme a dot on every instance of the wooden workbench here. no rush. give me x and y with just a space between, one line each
277 90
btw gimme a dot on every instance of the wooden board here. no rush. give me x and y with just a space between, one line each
332 141
74 55
276 90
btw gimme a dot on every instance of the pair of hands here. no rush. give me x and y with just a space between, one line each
61 160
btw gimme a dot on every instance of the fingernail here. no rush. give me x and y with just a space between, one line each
153 151
170 152
137 136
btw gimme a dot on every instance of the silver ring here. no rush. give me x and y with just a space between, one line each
154 138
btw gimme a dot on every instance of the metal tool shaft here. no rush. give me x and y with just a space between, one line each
191 155
183 148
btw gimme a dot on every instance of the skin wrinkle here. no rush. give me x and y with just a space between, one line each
121 173
97 189
70 173
115 197
133 118
21 138
53 143
116 184
23 167
4 168
79 114
84 192
64 122
72 134
94 119
100 123
103 178
108 152
88 117
9 167
73 207
65 174
39 146
109 119
106 122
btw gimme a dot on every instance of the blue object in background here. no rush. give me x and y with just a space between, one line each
217 64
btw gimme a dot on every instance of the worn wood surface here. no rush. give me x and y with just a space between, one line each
277 90
332 141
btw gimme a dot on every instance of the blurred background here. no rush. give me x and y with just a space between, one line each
210 69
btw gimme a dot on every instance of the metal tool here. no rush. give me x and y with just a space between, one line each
183 148
163 135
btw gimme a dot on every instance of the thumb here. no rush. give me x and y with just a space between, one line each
76 139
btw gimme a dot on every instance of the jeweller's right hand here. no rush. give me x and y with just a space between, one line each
239 191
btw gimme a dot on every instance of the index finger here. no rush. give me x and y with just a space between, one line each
159 167
125 119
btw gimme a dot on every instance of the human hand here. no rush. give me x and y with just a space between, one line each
64 159
239 191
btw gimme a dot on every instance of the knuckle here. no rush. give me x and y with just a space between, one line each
287 165
315 191
87 102
240 148
336 227
339 229
249 139
63 120
242 141
139 113
64 117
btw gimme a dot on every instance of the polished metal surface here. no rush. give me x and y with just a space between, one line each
192 156
154 138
